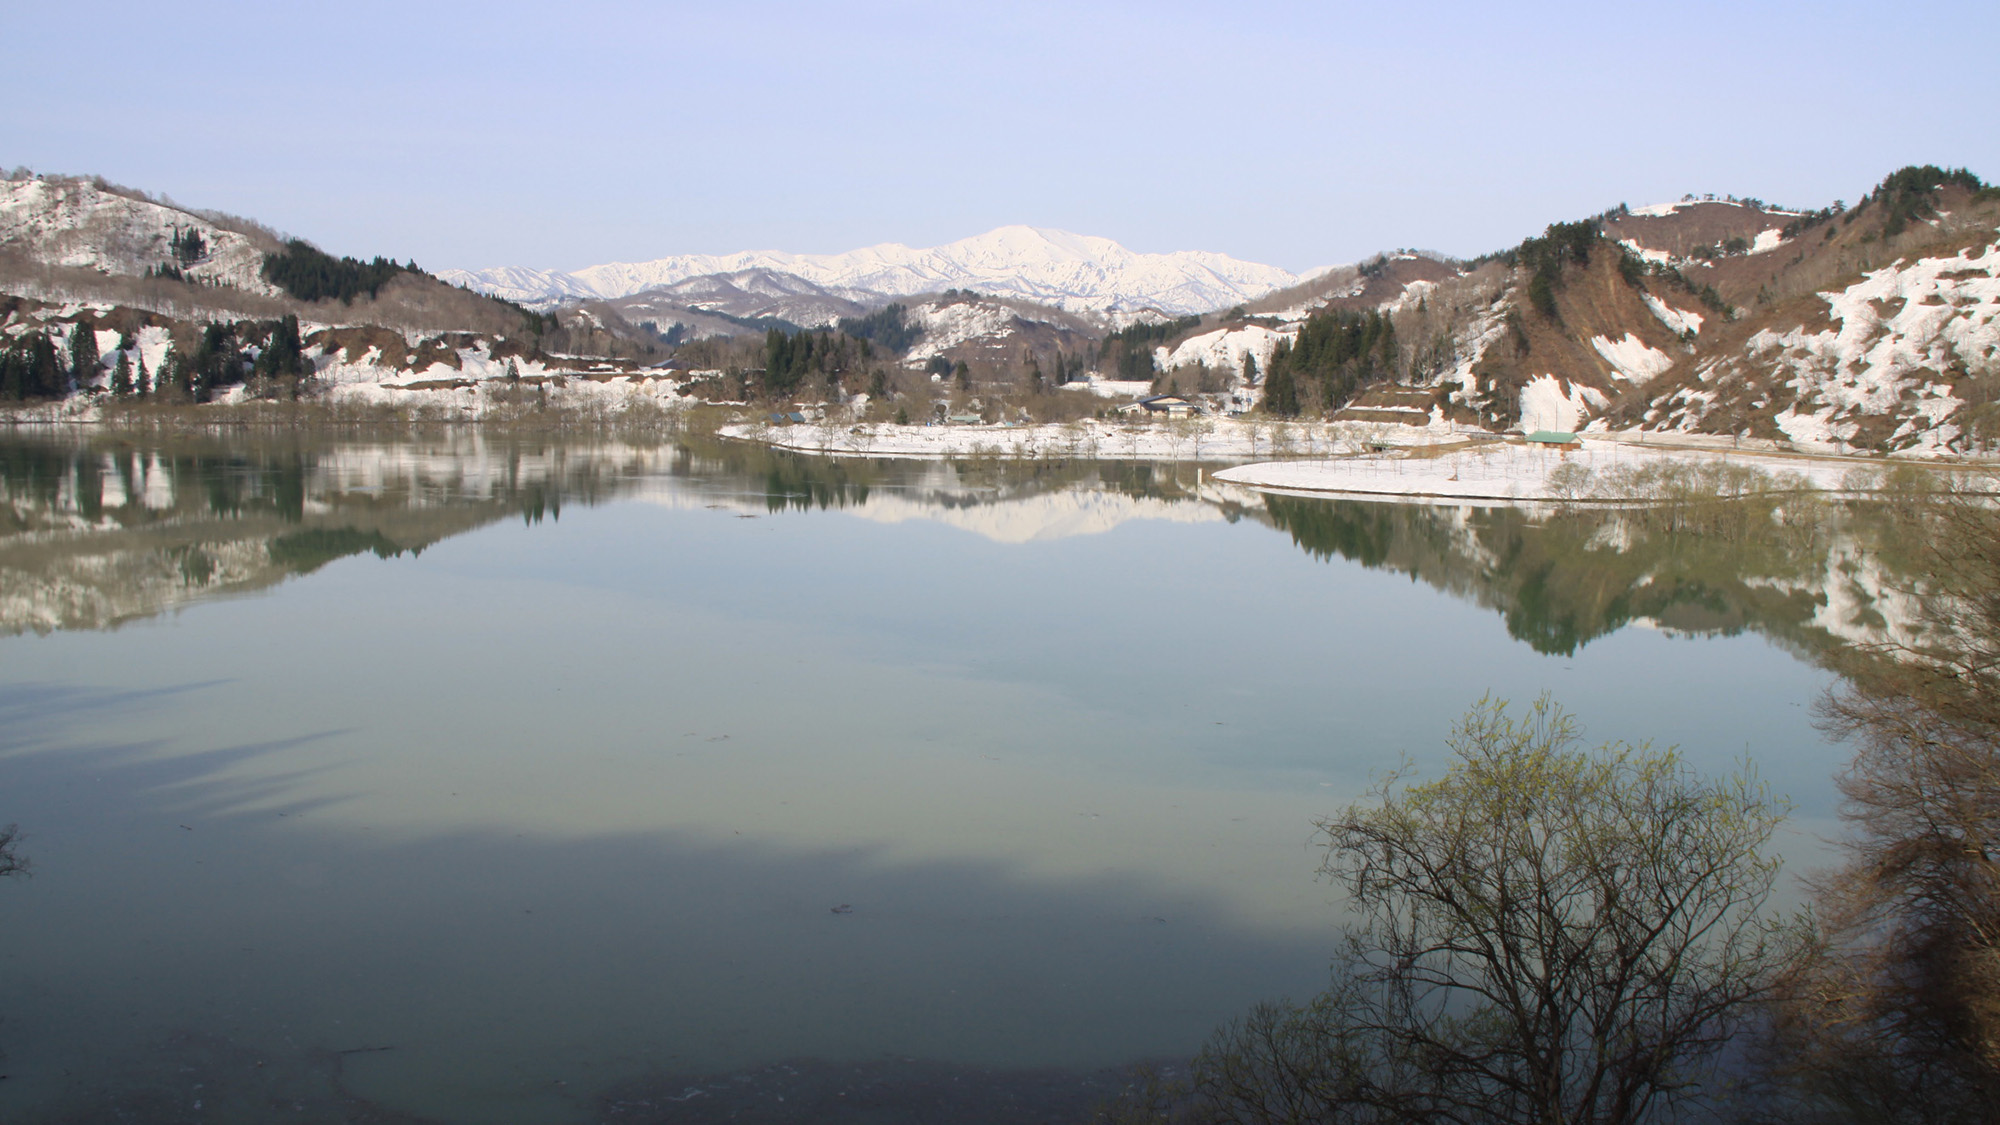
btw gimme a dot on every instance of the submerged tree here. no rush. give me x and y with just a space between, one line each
1545 934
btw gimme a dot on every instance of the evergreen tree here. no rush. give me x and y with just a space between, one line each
311 274
121 375
171 381
1337 352
284 353
217 362
13 376
1281 391
142 381
46 377
83 356
188 246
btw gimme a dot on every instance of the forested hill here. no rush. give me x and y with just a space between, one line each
1874 326
108 288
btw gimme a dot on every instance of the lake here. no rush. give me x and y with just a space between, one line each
472 778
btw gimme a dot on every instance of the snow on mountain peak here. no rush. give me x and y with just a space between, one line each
1072 271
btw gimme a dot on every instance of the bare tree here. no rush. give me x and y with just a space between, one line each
1545 934
11 861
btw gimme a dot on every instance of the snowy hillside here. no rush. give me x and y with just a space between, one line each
1890 361
748 294
1070 271
77 224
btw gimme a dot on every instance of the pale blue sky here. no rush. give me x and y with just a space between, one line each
1301 134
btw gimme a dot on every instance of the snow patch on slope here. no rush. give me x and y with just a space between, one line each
1223 349
1899 329
1545 405
1631 358
1680 321
1644 253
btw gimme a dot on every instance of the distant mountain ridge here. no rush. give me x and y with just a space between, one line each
1074 272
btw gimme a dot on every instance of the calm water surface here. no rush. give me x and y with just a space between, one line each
479 780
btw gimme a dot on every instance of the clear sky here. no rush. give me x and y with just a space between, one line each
1300 134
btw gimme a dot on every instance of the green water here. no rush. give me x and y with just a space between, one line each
570 772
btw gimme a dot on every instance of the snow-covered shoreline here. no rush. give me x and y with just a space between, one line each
1508 472
1183 439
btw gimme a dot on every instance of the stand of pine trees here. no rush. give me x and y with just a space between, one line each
1128 352
1338 352
31 369
789 357
310 274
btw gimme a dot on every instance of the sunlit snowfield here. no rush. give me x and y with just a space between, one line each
652 766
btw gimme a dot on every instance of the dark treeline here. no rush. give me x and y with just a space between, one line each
791 358
222 355
310 274
888 327
1128 353
32 369
1910 194
1545 258
1338 352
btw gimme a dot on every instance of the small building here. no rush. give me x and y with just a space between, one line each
1555 439
1173 406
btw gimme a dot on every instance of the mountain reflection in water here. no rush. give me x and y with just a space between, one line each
599 771
97 531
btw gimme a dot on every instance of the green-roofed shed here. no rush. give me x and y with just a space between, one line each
1556 438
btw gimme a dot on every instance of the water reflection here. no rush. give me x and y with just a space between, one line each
1809 574
94 533
569 790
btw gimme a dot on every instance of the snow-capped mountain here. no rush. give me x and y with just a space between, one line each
1071 271
747 294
